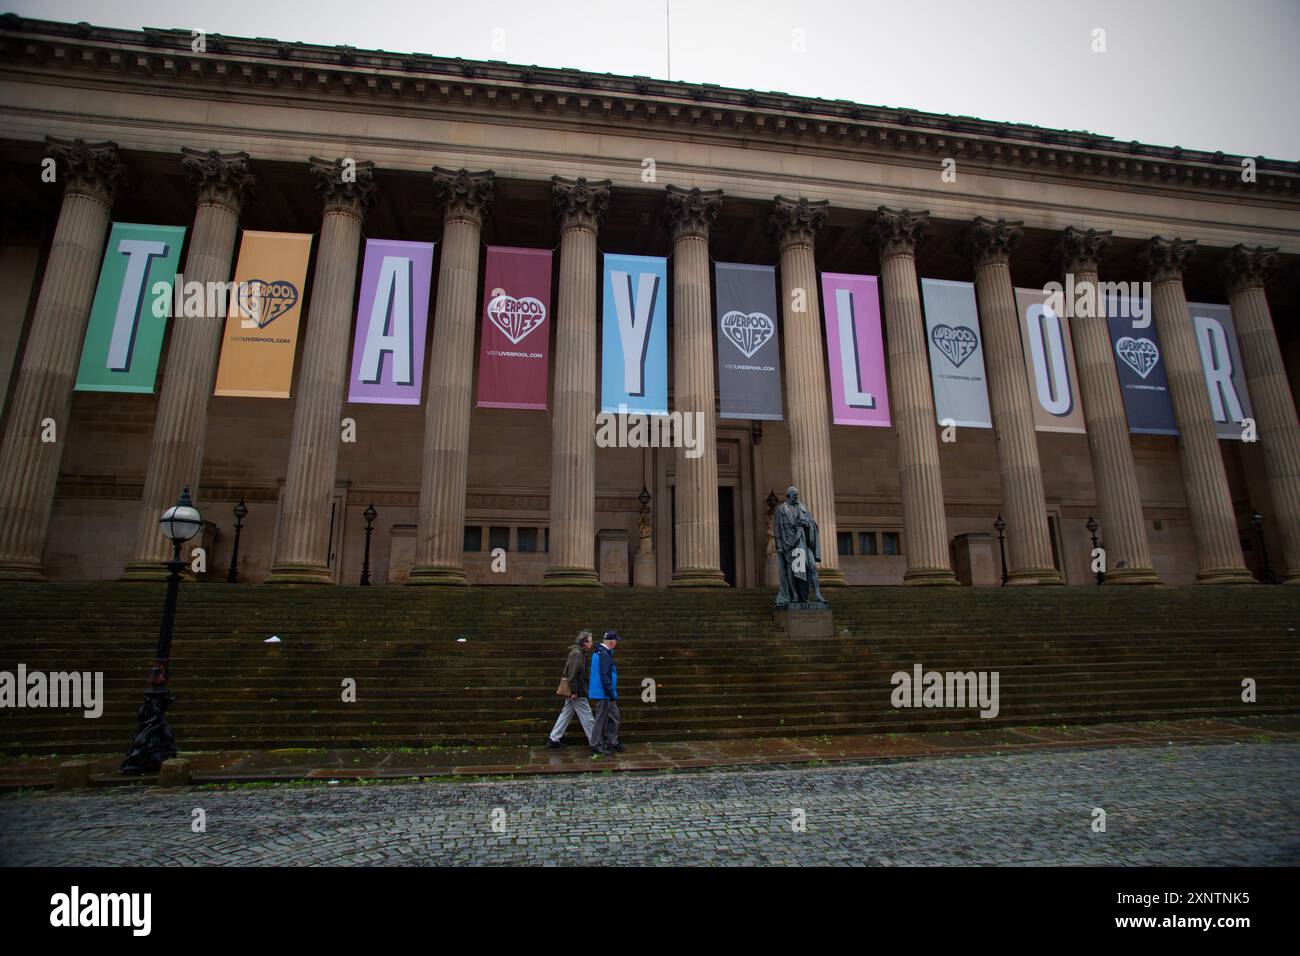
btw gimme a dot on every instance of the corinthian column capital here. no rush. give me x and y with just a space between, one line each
579 203
464 195
91 169
1081 249
797 221
222 178
991 240
1246 267
897 232
1167 258
345 185
691 212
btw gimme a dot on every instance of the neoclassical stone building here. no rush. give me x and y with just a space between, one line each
254 135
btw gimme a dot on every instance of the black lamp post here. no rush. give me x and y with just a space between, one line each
1092 530
772 501
370 515
1257 522
241 512
154 741
644 498
1001 526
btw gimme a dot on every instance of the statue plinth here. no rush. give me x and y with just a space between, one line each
804 619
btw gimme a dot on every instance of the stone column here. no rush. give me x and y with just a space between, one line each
1270 393
440 536
795 223
1029 544
579 207
691 212
1123 529
302 547
1214 525
29 465
895 234
180 426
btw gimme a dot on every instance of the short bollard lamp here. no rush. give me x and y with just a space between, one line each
241 512
1257 522
1001 526
370 515
154 741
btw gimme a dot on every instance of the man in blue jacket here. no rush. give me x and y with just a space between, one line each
602 689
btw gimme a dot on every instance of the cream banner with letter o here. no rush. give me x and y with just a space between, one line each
1049 363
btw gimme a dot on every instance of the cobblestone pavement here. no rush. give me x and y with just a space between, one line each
1177 805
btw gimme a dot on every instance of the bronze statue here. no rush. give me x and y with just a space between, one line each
798 549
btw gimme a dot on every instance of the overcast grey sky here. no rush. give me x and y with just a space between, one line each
1203 74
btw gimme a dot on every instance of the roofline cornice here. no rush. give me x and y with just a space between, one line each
44 46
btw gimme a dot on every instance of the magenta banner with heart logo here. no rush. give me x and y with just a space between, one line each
515 347
855 350
392 319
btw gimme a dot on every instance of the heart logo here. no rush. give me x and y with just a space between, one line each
957 344
265 301
1141 355
516 318
748 332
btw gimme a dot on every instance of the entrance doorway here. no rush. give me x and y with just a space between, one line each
727 533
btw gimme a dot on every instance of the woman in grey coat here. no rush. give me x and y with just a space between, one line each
575 669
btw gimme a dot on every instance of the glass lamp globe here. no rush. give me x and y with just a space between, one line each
182 520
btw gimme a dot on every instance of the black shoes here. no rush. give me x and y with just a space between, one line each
597 752
617 748
553 744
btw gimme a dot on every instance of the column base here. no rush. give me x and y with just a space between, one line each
438 575
930 577
1029 577
144 571
1291 576
562 577
698 578
1225 576
15 570
1131 576
831 578
300 573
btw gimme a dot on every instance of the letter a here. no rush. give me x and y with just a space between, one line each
390 324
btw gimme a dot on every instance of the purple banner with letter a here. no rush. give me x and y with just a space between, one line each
855 350
392 319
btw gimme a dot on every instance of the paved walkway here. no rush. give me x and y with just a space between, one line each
282 765
1225 803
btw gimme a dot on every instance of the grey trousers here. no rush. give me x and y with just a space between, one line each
571 706
605 734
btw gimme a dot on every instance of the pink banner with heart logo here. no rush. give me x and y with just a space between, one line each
514 352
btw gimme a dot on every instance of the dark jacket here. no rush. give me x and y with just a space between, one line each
576 668
604 675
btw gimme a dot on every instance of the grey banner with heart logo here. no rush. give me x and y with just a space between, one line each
952 331
1141 368
749 352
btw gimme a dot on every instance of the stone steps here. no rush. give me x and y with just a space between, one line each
1063 655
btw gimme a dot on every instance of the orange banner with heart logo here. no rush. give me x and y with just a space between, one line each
261 334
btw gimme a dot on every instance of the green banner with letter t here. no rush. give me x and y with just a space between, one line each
129 315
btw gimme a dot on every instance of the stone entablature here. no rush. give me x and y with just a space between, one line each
425 82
